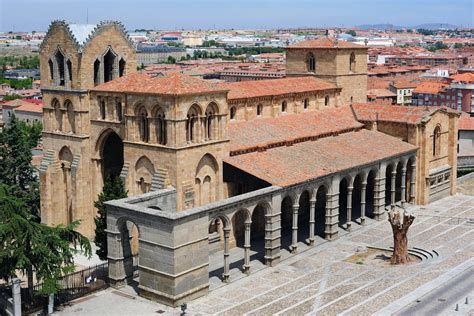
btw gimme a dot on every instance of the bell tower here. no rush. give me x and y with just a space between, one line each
339 62
73 59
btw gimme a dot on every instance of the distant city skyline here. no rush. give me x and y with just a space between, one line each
29 15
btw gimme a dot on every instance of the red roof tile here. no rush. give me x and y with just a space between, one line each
273 87
466 122
430 87
326 42
288 165
395 113
30 107
467 77
267 132
171 84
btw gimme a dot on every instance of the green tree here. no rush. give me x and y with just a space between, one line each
12 97
16 170
113 189
351 32
458 45
171 60
33 248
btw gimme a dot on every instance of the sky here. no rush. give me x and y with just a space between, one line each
29 15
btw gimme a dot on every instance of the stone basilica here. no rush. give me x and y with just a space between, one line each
213 166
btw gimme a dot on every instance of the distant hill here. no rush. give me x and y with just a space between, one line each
429 26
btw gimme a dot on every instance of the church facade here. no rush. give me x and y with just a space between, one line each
214 165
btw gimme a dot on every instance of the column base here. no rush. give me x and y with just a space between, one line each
294 249
173 300
117 283
311 242
271 262
349 226
331 236
246 269
225 278
362 220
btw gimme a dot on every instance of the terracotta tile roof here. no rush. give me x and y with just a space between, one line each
405 84
30 107
381 93
326 42
395 113
466 122
430 87
267 132
467 77
271 87
172 84
288 165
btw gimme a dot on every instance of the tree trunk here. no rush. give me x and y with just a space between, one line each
29 272
400 220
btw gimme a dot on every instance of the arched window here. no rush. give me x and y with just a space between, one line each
352 98
109 66
70 115
259 110
118 109
326 100
311 62
161 131
121 67
144 130
57 114
305 104
191 123
102 109
69 69
51 69
283 106
437 141
232 112
96 72
210 121
352 61
60 62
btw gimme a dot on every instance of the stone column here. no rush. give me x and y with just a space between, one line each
413 182
153 139
349 207
225 276
403 186
247 248
273 232
379 194
117 274
332 212
393 187
363 192
294 235
312 211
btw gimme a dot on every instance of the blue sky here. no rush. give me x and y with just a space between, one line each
27 15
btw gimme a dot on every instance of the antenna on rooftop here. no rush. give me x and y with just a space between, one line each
87 15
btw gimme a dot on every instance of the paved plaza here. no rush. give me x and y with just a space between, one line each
318 281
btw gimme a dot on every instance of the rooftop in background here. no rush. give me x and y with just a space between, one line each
326 42
430 87
263 88
172 84
467 77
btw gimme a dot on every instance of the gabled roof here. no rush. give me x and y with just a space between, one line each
82 34
430 87
326 42
412 115
275 87
171 84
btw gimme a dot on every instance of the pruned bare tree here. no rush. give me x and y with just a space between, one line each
401 220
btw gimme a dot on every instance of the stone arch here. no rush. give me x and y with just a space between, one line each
122 64
303 215
287 221
259 109
239 219
60 67
343 190
58 116
144 171
370 193
51 69
232 111
305 104
357 197
284 106
311 62
410 180
320 210
110 68
436 141
391 167
352 62
130 235
141 115
70 115
192 123
109 146
159 119
210 121
259 216
65 154
207 172
326 100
